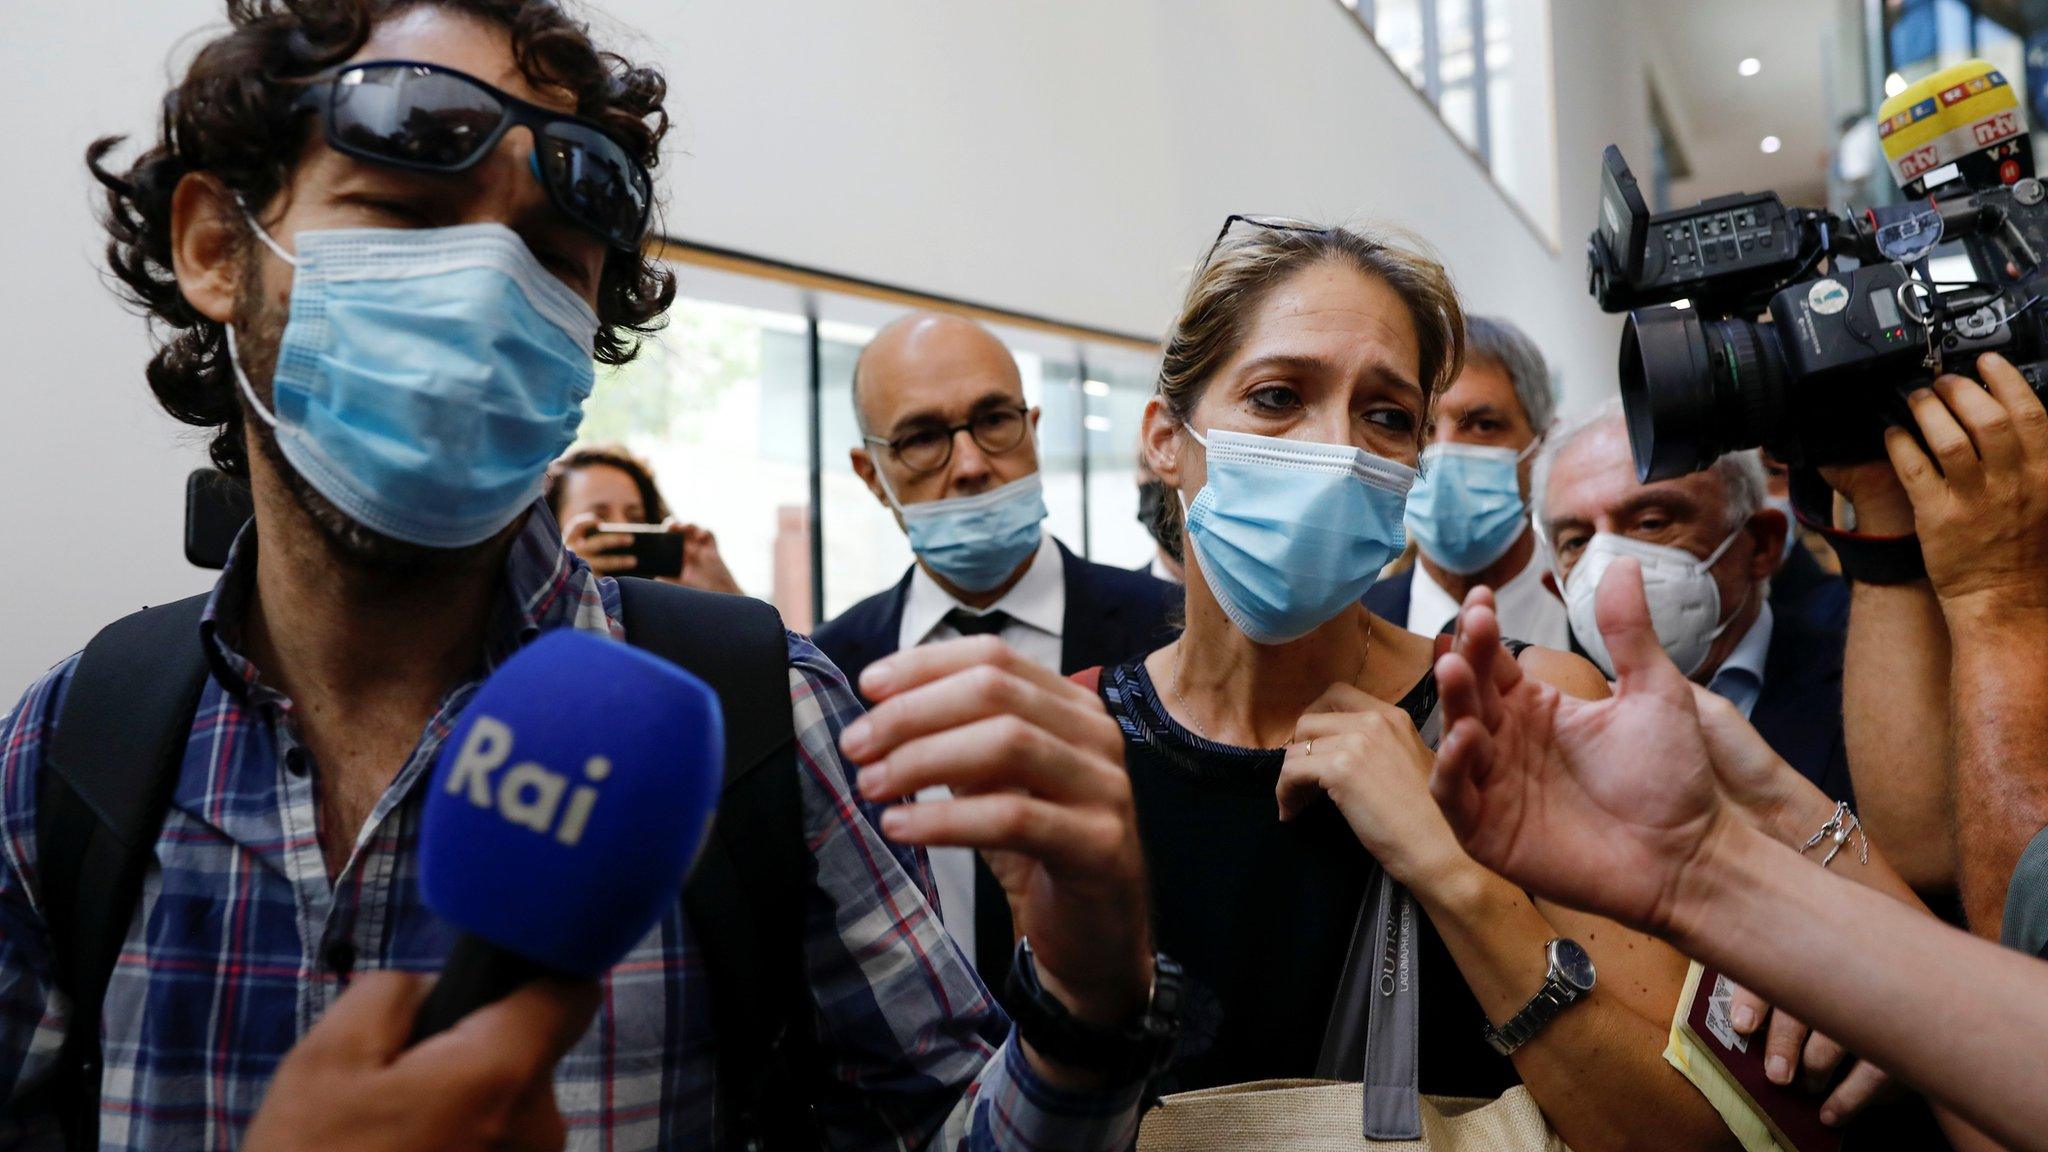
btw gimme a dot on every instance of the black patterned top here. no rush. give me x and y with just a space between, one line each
1261 913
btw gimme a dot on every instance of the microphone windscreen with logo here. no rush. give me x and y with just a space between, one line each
570 799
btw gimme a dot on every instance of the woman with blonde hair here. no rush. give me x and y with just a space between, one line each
1279 749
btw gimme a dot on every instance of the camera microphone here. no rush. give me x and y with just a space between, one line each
563 815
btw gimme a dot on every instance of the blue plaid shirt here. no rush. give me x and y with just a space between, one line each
241 941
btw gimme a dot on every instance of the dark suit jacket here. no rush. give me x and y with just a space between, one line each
1800 710
1112 615
1804 589
1388 598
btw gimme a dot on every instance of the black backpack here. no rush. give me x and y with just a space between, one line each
114 760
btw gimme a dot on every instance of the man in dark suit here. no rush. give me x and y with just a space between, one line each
1777 666
948 444
1804 589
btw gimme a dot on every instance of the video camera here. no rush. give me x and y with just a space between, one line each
1737 337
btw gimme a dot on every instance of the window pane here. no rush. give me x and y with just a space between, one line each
1928 35
1055 388
1521 121
1116 407
864 547
711 398
1397 25
1507 150
1455 61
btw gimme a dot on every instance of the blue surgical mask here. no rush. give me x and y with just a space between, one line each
1466 511
1289 533
426 377
976 542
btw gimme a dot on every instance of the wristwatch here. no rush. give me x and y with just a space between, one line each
1569 979
1125 1054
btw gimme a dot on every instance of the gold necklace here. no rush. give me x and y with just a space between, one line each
1189 713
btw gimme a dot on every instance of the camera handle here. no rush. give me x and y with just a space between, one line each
1866 557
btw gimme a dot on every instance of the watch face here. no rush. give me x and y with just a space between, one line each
1572 964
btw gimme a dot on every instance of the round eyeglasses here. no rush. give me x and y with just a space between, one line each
926 448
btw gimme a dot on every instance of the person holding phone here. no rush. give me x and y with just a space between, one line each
595 488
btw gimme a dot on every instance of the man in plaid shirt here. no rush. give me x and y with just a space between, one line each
339 657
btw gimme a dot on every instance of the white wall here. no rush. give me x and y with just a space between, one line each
1065 157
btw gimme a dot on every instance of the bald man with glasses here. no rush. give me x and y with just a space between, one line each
949 445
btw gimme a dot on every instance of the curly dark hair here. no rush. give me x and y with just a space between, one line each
231 116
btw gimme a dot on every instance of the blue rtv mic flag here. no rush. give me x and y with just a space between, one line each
565 810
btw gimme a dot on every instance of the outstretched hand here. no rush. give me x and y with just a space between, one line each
1598 805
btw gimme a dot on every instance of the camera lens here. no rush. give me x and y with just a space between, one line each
1695 389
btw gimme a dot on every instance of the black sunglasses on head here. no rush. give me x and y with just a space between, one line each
429 118
1272 223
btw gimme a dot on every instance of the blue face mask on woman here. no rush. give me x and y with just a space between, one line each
1466 511
1289 533
426 377
976 542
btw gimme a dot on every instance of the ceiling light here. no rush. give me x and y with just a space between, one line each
1095 387
1771 144
1096 423
1894 84
1750 66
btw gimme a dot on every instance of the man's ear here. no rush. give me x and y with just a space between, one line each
206 245
1767 528
864 467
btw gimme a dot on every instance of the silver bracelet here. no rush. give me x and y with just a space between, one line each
1839 829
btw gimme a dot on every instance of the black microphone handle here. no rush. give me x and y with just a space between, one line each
477 973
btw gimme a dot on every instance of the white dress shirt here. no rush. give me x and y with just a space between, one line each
1037 605
1526 609
1740 678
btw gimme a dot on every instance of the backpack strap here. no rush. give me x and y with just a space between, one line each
113 766
746 896
105 786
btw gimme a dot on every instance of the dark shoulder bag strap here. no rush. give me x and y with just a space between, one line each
747 895
105 786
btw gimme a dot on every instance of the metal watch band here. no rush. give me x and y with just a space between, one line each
1553 998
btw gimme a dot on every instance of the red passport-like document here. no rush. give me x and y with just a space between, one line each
1729 1068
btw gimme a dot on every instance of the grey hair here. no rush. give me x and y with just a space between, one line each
1742 474
1495 341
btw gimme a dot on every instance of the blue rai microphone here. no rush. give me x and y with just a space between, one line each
566 808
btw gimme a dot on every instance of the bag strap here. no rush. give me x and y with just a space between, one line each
1374 1020
105 787
746 896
